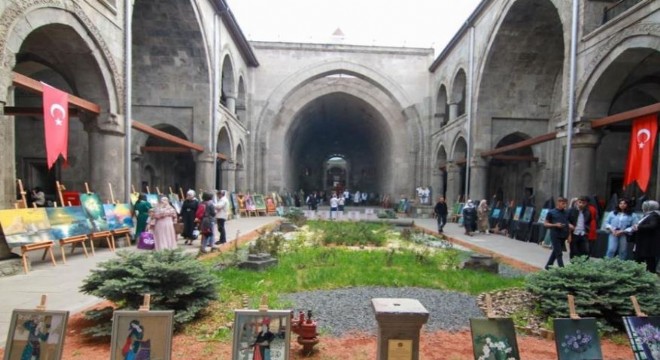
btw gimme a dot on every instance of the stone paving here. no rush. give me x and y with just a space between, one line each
60 283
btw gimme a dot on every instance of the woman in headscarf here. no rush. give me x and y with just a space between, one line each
647 236
163 224
483 211
188 211
141 210
469 218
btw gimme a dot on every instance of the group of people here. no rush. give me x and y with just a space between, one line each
623 227
199 219
475 218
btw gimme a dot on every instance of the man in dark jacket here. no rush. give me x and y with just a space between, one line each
557 224
440 212
579 220
647 236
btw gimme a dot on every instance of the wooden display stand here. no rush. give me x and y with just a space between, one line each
125 232
47 246
73 241
110 240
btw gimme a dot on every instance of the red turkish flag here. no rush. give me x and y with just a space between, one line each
640 153
56 123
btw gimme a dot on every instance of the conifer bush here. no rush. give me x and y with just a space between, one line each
176 281
602 289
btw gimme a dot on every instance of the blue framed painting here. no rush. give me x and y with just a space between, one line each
644 336
577 339
494 338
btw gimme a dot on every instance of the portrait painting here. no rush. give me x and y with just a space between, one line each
577 339
35 334
261 334
644 336
259 203
249 203
25 226
118 216
68 221
142 335
93 207
494 339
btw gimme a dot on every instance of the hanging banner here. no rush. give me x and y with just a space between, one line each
640 152
56 123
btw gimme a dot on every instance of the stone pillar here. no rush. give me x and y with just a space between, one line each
583 161
136 170
241 183
229 176
399 324
106 161
453 183
478 178
205 171
453 111
231 103
437 182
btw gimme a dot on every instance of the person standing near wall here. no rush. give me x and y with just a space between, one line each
188 210
557 223
647 236
579 220
221 216
619 224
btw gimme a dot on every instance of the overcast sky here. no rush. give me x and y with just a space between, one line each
411 23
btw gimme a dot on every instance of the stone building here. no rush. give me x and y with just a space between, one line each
209 109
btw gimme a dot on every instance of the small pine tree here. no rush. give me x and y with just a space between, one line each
176 281
602 289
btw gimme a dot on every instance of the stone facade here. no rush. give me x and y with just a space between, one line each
273 116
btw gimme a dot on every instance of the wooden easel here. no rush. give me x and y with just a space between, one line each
22 204
73 241
146 303
638 310
571 308
42 303
47 246
118 233
489 307
107 235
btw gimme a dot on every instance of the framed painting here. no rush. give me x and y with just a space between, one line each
68 221
259 203
142 335
543 215
494 339
35 334
249 203
93 207
644 336
175 201
517 213
528 214
118 216
25 226
233 198
153 199
577 339
261 334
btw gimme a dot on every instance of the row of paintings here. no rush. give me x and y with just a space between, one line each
575 339
33 225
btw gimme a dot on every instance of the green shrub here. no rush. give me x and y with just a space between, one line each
351 233
176 281
270 243
386 214
296 216
602 289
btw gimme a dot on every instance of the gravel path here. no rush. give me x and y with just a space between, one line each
342 311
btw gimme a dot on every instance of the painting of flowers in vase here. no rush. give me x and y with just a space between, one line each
644 336
494 339
577 339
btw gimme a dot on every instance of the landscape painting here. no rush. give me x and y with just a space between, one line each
518 213
152 199
174 200
35 334
494 339
259 203
25 226
68 221
261 334
142 335
528 214
93 207
118 216
644 336
577 339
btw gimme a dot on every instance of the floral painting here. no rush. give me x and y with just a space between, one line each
142 335
494 339
577 339
644 336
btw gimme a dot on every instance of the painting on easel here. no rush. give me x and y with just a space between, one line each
577 339
68 221
93 207
644 335
25 226
494 338
153 200
118 216
259 203
261 334
35 334
142 335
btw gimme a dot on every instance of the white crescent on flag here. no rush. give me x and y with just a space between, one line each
640 134
62 113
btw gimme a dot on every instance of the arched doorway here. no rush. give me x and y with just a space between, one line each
336 173
170 167
225 167
509 176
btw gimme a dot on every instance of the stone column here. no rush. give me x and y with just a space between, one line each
136 170
438 184
229 175
453 111
453 183
478 178
106 159
583 161
241 184
205 171
231 103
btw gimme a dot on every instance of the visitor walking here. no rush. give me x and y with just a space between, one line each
440 212
206 217
163 220
221 216
579 223
188 210
334 203
482 217
557 223
141 211
469 218
647 236
619 224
